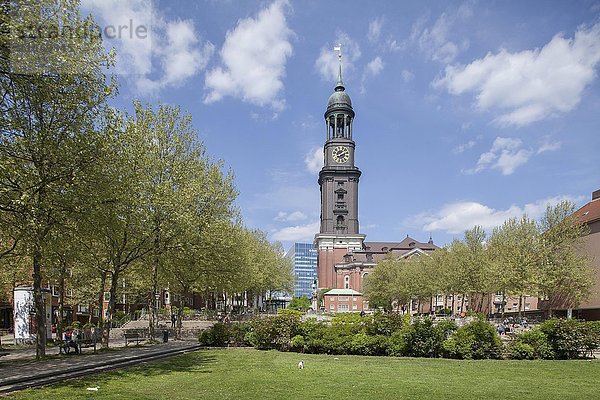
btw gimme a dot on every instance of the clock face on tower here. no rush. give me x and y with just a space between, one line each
340 154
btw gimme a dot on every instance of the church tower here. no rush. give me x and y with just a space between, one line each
338 180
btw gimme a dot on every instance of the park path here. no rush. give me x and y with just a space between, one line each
19 367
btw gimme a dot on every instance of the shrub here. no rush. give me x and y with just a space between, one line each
298 343
566 337
476 340
531 345
446 328
592 337
397 344
521 351
274 332
238 332
422 339
367 345
217 335
385 324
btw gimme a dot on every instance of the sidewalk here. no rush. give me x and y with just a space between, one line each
22 363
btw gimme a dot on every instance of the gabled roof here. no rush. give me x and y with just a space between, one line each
407 244
342 292
590 212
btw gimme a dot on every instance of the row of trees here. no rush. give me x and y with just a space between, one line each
91 197
522 257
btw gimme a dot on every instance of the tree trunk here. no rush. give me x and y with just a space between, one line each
462 303
40 307
502 304
153 314
61 303
452 310
101 299
179 321
111 308
520 305
481 301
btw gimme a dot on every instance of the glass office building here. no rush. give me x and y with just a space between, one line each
304 257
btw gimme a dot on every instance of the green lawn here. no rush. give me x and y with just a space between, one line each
252 374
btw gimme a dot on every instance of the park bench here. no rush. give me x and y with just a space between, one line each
87 343
132 336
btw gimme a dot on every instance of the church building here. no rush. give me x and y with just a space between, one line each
344 258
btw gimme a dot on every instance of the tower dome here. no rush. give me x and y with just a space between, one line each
339 99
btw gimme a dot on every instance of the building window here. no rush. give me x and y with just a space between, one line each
343 307
354 307
346 282
106 296
343 298
332 307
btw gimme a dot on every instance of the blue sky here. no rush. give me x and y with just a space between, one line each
466 112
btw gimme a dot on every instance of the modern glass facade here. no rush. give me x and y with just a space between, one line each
304 257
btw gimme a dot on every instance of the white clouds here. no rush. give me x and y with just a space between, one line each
174 45
549 146
297 233
434 41
531 85
290 217
374 67
253 60
506 154
375 29
327 62
314 160
462 147
182 59
457 217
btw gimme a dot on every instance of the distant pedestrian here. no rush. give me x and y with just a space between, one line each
173 320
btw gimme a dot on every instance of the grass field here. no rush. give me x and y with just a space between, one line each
252 374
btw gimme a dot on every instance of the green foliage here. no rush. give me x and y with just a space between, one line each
300 303
286 312
238 333
422 339
531 345
385 323
217 335
118 315
476 340
567 338
273 332
368 345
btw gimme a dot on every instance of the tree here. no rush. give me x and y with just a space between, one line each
515 252
299 303
184 190
52 90
119 230
564 274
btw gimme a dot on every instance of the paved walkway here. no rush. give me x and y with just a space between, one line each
22 363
